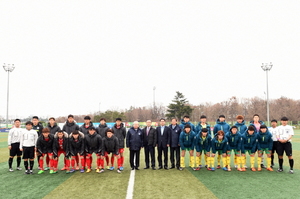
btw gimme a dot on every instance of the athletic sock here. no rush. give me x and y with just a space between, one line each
73 162
235 160
198 160
272 159
212 161
10 161
82 162
280 161
101 163
252 159
192 161
112 160
228 161
77 159
243 161
291 161
47 160
224 159
219 159
122 160
182 162
26 164
41 163
205 158
259 162
268 162
31 162
238 162
18 161
119 162
107 160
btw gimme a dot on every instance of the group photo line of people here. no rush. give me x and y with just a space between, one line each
205 145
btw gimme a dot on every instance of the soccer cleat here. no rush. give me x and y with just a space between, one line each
88 170
240 169
41 171
200 166
77 168
107 167
259 169
97 170
111 168
243 169
212 168
72 170
121 168
54 172
51 172
64 168
229 169
262 166
19 168
101 171
30 172
270 169
291 171
180 168
39 168
253 169
27 172
245 166
236 166
206 166
68 171
81 170
218 167
46 168
11 170
225 168
280 170
118 171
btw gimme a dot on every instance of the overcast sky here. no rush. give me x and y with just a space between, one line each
72 55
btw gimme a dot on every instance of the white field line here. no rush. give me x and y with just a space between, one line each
130 185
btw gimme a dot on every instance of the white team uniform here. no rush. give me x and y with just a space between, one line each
273 131
284 132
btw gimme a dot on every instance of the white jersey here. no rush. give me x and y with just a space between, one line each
14 135
284 132
28 138
273 131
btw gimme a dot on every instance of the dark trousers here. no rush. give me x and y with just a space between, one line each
149 151
174 150
134 155
159 157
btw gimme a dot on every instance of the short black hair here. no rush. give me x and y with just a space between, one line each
186 116
60 131
204 130
162 119
222 116
202 117
52 118
87 118
255 115
102 119
28 123
251 128
109 130
284 119
17 120
72 116
35 117
274 120
76 132
174 119
92 128
187 126
263 127
118 119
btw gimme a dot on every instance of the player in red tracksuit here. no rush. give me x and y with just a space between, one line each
110 144
61 146
44 147
76 146
93 144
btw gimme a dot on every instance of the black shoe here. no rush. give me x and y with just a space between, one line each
27 172
166 167
172 167
159 168
132 168
136 168
263 166
153 168
280 170
146 167
177 168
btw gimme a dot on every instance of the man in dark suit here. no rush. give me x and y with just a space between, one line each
163 142
149 142
174 145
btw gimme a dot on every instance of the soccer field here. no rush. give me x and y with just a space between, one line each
151 184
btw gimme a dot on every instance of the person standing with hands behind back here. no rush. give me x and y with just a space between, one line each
163 143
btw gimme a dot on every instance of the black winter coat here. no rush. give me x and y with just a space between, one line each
85 130
93 143
134 139
175 133
151 139
38 128
70 127
101 129
53 129
120 134
110 145
65 146
44 146
76 147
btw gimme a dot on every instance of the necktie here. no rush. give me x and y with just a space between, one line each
147 131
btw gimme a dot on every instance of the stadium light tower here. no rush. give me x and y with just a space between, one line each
267 67
154 96
8 68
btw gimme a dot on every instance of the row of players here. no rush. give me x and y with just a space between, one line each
254 138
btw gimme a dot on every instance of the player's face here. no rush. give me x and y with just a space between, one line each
70 119
46 134
17 124
220 137
75 136
28 126
239 120
173 122
273 124
234 130
35 121
148 123
222 119
263 130
204 134
187 130
250 132
255 118
87 122
203 120
52 122
118 122
284 123
162 122
109 134
186 119
102 122
91 131
60 135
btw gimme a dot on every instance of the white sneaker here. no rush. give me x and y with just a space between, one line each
245 167
11 170
235 166
19 168
291 172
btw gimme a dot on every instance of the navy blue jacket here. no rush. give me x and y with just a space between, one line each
252 124
234 140
249 142
199 128
185 123
134 139
175 133
242 128
164 139
221 126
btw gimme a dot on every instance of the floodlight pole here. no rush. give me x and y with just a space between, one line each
8 68
267 67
